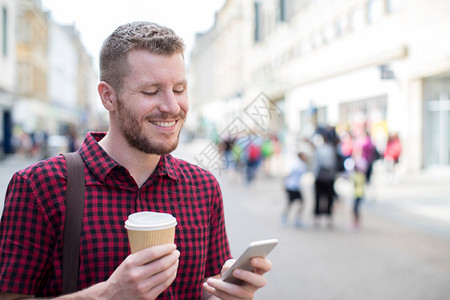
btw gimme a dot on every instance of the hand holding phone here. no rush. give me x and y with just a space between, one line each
255 249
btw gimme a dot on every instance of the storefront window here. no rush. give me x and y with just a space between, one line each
437 121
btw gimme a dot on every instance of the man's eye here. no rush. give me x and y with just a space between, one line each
180 91
150 93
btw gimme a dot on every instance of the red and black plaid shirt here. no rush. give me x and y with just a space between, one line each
32 223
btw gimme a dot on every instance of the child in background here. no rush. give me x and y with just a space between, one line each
292 187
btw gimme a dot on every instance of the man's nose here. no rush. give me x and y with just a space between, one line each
169 103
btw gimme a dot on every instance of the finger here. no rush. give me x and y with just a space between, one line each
159 282
156 291
262 265
228 264
159 265
253 280
225 290
150 254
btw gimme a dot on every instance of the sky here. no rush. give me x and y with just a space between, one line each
96 19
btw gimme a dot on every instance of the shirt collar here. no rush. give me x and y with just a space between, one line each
100 163
167 166
95 158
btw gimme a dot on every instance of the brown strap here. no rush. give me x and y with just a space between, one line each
74 203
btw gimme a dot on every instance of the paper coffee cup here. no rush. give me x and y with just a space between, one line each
146 229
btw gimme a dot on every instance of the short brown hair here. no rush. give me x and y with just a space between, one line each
137 35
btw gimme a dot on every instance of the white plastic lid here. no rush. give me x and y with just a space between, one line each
149 220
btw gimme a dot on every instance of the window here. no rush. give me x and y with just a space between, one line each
329 33
393 5
374 10
25 78
357 19
24 32
341 26
258 23
4 31
281 11
286 10
368 110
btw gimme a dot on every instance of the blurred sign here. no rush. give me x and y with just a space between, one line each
386 72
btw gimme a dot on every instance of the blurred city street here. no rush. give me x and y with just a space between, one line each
401 252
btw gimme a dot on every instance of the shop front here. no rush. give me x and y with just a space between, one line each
436 97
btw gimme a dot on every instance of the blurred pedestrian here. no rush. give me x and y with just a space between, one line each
370 153
238 156
252 160
292 186
392 156
364 147
325 170
40 147
345 146
23 143
267 149
72 138
227 150
360 165
344 149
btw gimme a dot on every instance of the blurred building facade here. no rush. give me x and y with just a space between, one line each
383 65
32 103
53 77
7 72
60 92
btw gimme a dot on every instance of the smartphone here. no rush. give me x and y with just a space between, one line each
255 249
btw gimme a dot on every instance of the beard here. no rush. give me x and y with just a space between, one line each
133 131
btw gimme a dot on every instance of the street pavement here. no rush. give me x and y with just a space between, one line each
401 252
386 259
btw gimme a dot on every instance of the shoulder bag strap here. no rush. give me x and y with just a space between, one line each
74 204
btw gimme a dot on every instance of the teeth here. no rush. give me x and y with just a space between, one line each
164 124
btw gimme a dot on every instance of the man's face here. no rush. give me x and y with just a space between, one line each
153 102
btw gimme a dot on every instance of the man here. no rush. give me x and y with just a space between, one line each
144 88
325 170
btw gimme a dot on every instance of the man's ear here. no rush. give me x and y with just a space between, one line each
108 95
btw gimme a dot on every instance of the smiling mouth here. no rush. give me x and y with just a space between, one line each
164 124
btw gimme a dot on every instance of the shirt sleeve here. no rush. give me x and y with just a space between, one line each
219 249
25 240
